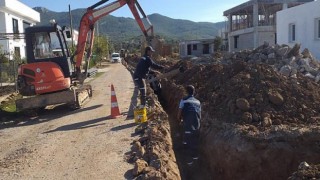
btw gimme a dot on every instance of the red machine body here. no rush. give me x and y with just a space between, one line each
51 69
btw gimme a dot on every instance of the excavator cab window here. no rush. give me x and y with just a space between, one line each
42 47
47 45
68 33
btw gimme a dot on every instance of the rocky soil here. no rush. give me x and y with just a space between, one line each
306 171
153 154
258 123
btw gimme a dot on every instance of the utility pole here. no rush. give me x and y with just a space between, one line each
71 26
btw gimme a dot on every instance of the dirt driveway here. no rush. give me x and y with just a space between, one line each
81 144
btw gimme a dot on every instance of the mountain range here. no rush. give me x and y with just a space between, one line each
122 29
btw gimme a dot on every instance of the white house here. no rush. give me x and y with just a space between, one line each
14 18
252 23
196 47
300 24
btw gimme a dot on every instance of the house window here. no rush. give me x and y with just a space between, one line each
15 25
292 32
17 52
236 39
206 49
194 47
26 24
317 28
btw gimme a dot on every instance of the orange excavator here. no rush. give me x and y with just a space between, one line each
52 75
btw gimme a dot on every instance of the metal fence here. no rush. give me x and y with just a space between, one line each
8 73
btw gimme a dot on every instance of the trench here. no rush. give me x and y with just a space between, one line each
227 154
231 147
199 170
231 151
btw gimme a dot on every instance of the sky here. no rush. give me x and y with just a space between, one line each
193 10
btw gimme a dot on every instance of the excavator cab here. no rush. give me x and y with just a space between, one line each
49 67
48 44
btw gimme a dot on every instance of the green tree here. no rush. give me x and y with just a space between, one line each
217 42
3 56
100 48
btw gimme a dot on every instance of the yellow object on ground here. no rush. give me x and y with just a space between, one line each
140 115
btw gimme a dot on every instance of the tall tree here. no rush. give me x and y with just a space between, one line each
101 48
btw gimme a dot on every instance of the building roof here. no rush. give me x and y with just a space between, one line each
247 6
199 40
18 8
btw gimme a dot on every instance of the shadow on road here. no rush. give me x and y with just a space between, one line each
45 115
80 125
125 126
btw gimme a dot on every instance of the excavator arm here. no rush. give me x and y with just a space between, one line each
86 31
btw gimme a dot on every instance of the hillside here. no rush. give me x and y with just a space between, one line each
120 28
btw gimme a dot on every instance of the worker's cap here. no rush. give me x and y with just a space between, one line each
149 48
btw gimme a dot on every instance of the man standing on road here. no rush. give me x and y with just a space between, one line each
190 114
142 70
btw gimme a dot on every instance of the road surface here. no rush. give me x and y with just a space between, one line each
81 144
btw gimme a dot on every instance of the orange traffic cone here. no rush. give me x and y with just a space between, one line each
115 112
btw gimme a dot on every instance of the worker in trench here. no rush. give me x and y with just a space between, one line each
189 116
142 70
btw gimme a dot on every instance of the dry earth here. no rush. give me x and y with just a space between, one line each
81 144
256 123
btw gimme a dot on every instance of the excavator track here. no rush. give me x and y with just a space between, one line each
76 97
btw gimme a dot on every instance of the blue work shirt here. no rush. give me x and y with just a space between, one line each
191 113
143 67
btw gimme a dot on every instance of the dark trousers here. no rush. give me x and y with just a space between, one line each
141 84
191 141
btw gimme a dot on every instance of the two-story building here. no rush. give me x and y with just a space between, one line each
252 23
14 18
300 24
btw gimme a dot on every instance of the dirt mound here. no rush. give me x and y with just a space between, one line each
257 123
253 93
306 171
153 153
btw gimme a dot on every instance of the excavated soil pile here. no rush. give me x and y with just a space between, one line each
306 171
153 153
257 123
253 94
260 111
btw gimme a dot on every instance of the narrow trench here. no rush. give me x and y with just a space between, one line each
187 173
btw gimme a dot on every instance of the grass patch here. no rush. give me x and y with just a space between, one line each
9 106
103 65
98 74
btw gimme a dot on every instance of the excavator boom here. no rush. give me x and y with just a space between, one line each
86 32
